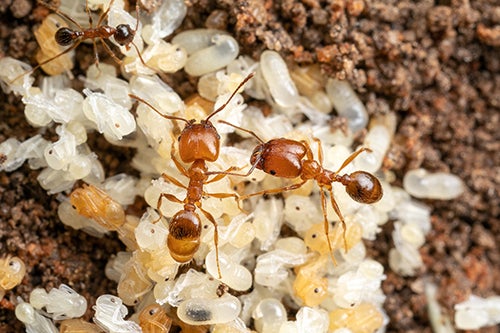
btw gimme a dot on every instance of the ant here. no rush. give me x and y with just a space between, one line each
198 143
291 159
64 36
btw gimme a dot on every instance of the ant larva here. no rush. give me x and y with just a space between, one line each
123 34
198 143
288 158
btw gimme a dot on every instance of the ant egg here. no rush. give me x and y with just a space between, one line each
222 51
109 314
440 185
204 311
269 315
164 21
78 326
347 104
154 319
364 318
34 321
50 48
236 276
277 77
59 303
12 271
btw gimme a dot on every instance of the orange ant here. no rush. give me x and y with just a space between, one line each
64 36
290 159
198 143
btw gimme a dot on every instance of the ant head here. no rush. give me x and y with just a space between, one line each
363 187
279 157
124 34
64 36
199 141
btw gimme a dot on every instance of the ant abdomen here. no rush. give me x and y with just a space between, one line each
362 187
64 36
184 235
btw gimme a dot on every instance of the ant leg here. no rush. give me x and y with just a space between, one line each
320 150
216 236
221 174
169 197
110 52
47 61
177 163
58 12
309 153
252 133
249 76
341 217
227 195
173 181
326 225
156 110
352 157
274 190
104 14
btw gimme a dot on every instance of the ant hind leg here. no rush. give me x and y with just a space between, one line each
216 237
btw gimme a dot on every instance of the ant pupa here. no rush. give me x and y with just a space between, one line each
198 143
288 158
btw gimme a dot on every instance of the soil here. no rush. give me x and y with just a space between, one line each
435 63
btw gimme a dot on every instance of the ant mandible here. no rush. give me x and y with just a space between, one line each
198 143
291 159
64 36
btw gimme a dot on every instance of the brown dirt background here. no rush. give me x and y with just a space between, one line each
435 63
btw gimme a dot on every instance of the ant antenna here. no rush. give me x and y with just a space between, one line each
252 133
156 110
249 76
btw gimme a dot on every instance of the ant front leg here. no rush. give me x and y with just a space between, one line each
216 236
227 195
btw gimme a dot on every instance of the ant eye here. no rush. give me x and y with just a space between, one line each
124 34
64 36
272 172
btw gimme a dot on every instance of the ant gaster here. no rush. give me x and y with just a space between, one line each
288 158
198 143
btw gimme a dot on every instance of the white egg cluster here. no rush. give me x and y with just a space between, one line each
272 273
